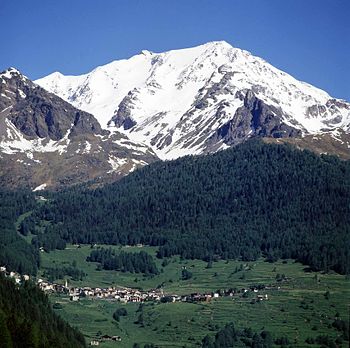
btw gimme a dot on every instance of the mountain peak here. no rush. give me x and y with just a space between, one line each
218 43
56 74
200 99
146 53
10 72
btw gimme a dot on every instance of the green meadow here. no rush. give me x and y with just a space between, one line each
304 306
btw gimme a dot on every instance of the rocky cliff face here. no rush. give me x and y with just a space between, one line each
36 113
46 142
201 99
254 118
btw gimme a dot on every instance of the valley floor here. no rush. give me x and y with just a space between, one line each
300 304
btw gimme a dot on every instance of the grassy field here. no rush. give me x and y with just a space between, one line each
299 309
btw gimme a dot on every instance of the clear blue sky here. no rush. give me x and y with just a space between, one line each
309 39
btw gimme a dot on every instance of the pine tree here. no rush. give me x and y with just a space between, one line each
5 336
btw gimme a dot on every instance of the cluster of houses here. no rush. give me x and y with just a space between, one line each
14 275
124 295
127 295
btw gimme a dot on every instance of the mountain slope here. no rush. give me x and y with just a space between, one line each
27 319
250 201
200 99
46 142
15 252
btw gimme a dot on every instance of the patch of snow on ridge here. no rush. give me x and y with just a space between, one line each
116 163
40 187
136 163
10 72
21 93
132 145
19 143
87 147
5 96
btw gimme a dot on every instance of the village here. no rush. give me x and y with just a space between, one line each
131 295
127 295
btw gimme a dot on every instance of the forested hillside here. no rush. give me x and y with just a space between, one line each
250 201
15 253
27 320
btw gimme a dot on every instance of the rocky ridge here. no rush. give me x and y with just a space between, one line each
45 142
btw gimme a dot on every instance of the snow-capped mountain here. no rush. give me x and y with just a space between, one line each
201 99
46 142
